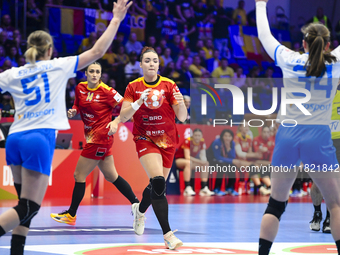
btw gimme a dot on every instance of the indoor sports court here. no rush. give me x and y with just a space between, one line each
206 225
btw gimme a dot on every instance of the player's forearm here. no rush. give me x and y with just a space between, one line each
118 120
182 113
265 36
128 111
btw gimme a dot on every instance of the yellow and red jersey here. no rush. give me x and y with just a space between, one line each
245 142
195 148
95 107
269 144
156 125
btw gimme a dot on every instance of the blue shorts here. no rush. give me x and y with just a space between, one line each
311 144
32 149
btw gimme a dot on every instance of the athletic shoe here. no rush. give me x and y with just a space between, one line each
315 222
296 193
206 192
326 228
171 241
138 219
64 217
264 192
219 192
189 191
232 192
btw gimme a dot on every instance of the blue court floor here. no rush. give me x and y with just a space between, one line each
223 228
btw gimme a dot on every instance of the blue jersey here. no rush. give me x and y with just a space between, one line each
322 89
38 92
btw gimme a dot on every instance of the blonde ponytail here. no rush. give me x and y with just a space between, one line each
38 43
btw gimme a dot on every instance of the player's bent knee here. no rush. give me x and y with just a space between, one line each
276 208
158 187
26 210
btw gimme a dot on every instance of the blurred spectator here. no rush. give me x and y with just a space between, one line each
297 47
6 25
253 77
169 28
208 49
112 83
195 68
133 44
265 145
214 62
190 30
220 33
166 57
18 42
175 47
163 44
7 65
4 41
185 55
203 18
269 81
132 69
185 75
121 57
222 153
155 19
280 20
170 72
13 56
335 44
87 43
251 17
2 55
122 61
199 45
7 103
118 42
151 42
240 15
70 92
239 78
138 7
21 61
181 7
201 54
34 17
105 78
321 18
223 73
108 61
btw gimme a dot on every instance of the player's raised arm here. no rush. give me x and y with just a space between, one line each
268 41
100 47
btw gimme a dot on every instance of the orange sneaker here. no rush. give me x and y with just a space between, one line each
64 217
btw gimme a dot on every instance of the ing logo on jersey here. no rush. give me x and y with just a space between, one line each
89 96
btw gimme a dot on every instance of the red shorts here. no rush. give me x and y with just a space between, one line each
97 151
145 147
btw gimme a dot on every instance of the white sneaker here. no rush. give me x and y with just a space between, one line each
138 219
205 192
264 191
171 241
189 191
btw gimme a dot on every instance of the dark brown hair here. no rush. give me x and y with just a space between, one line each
94 63
147 49
317 36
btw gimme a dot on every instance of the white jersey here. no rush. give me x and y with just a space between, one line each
38 92
322 90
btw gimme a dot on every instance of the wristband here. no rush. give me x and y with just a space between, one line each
135 105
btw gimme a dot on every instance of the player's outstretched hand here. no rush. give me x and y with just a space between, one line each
113 126
120 8
71 113
261 1
143 96
179 97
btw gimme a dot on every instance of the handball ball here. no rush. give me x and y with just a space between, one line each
154 99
